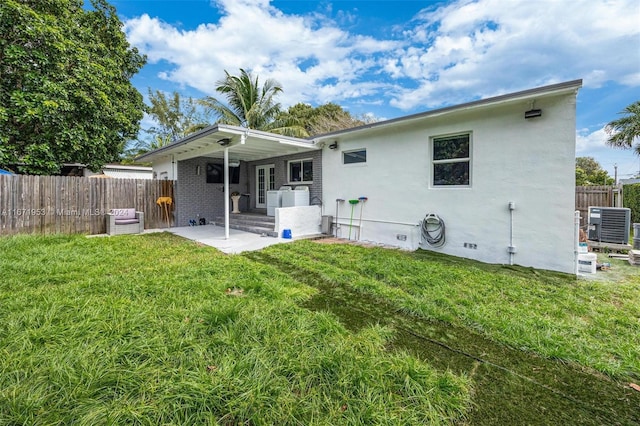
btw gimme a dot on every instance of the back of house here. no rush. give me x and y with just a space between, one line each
491 180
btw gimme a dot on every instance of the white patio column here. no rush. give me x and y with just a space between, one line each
226 193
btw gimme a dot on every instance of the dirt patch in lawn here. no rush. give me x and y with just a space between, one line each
510 386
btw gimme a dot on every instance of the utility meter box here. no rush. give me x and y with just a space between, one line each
609 224
326 225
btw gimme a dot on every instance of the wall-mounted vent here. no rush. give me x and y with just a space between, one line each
609 224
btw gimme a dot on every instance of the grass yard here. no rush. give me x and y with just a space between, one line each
593 323
155 329
158 330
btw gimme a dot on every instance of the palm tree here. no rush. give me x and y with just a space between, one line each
251 106
624 131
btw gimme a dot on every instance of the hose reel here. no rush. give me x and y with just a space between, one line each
433 230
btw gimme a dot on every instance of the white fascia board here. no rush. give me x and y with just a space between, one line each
530 94
170 149
306 144
184 148
287 140
259 134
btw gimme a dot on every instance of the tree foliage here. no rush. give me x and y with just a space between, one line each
65 90
325 118
631 200
624 131
175 117
252 106
589 172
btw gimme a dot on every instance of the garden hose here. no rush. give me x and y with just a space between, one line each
433 230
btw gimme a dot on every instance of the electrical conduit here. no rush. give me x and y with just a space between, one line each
512 249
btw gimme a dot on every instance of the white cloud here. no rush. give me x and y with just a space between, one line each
593 144
487 47
445 55
255 36
588 141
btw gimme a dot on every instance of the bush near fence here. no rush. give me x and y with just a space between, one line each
632 201
76 205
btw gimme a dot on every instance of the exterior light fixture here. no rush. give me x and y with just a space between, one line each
334 145
532 113
224 142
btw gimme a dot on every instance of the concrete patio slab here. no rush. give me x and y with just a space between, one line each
238 241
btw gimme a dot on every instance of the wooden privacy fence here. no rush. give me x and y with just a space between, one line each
76 205
597 196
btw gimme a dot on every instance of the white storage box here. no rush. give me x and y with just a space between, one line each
297 197
587 263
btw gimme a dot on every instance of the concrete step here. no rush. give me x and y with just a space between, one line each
246 217
247 222
256 224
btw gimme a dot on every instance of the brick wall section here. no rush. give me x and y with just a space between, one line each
196 198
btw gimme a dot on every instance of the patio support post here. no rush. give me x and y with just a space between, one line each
226 193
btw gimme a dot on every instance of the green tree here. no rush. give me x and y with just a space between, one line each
175 117
325 118
65 89
589 172
251 106
624 131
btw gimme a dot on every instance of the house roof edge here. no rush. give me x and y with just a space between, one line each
558 87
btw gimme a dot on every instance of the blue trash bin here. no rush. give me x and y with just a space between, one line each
286 233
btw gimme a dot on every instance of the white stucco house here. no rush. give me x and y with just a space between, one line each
498 173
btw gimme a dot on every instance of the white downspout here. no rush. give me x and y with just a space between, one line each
576 240
512 248
226 193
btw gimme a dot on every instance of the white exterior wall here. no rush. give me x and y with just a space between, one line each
301 220
528 162
129 174
165 169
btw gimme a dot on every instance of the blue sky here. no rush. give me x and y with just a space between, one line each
392 58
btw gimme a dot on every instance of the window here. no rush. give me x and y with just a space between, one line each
215 173
301 171
451 159
353 157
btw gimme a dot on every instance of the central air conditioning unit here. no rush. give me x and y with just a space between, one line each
609 224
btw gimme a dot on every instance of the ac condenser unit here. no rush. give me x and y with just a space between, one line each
609 224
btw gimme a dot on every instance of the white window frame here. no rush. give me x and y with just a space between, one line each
301 161
468 159
357 163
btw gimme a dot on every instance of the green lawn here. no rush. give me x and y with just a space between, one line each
158 330
155 329
595 323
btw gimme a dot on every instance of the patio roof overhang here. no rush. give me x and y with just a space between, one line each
229 143
242 144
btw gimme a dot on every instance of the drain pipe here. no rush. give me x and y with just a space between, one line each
576 240
512 248
338 201
226 193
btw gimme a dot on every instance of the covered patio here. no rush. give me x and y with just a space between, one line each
250 163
